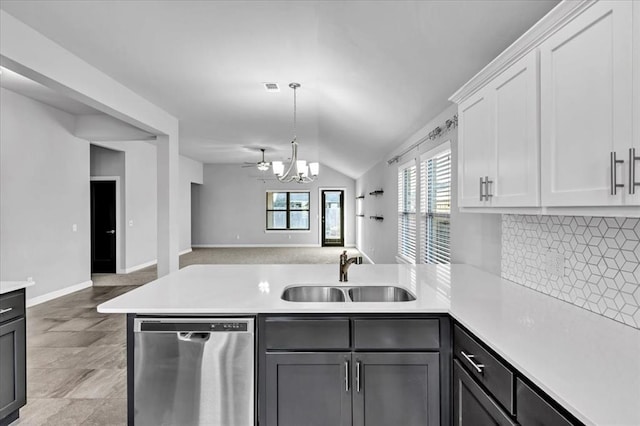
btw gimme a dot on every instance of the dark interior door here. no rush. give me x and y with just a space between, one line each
103 227
332 218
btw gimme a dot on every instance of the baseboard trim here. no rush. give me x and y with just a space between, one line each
150 263
58 293
252 245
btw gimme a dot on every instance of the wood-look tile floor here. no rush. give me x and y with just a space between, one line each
76 362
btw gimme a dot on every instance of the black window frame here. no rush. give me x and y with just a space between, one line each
288 211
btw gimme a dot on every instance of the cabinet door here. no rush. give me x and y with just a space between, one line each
396 389
634 199
12 366
514 165
472 406
475 135
311 389
533 410
586 101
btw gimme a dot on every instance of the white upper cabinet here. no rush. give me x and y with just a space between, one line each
552 125
498 133
586 95
475 130
514 159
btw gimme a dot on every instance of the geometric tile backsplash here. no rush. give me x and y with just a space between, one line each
601 257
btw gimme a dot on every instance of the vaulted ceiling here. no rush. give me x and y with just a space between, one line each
372 72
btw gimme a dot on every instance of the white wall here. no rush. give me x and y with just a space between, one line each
475 238
139 193
191 171
232 208
44 190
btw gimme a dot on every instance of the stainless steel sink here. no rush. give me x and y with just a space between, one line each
320 293
313 294
380 294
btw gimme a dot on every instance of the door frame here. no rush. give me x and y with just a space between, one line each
320 213
119 236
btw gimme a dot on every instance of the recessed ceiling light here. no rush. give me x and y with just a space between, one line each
271 87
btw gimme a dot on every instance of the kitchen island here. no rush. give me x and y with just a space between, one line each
587 363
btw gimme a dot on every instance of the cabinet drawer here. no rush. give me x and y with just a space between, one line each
11 305
302 334
396 334
494 375
534 410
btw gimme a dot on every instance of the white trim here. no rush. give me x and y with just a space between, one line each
58 293
550 23
189 250
120 239
140 266
433 152
252 245
618 211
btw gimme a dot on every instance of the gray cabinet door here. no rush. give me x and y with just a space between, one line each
396 389
308 389
472 406
12 366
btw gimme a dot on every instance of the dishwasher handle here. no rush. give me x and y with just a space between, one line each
193 337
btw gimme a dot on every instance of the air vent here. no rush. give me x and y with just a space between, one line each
271 87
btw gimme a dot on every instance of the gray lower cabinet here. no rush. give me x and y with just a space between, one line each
310 389
472 405
13 356
396 389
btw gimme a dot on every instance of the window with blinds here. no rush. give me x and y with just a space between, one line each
407 212
435 206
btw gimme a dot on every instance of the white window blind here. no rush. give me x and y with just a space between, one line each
407 212
435 206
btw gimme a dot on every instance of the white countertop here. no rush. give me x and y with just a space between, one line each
588 363
9 286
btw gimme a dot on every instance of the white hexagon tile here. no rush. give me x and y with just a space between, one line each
601 257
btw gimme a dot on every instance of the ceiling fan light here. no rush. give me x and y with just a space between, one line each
263 167
278 168
314 168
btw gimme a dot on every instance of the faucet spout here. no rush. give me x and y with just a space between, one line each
345 262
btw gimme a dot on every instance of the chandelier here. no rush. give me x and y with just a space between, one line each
297 170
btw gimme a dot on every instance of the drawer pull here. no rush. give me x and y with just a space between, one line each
614 173
632 171
358 376
4 311
346 376
479 367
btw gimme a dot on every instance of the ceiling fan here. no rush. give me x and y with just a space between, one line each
261 165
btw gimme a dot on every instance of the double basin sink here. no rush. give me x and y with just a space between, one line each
321 293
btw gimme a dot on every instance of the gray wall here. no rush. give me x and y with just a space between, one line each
191 171
44 190
475 238
231 207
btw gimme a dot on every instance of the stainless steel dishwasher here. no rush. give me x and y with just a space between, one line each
194 371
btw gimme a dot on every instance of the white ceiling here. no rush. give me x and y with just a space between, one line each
372 72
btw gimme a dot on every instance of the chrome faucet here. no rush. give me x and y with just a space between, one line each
345 262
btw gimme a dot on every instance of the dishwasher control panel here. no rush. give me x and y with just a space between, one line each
228 326
193 326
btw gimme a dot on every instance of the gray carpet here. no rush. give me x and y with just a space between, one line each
221 256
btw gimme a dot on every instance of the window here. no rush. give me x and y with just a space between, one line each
407 212
435 205
288 211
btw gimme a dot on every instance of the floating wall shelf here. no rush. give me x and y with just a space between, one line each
359 215
359 197
377 192
380 218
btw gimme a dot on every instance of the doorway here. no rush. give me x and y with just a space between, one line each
103 226
332 218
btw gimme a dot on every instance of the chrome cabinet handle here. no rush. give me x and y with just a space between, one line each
632 171
479 367
488 182
614 173
481 190
346 376
358 376
4 311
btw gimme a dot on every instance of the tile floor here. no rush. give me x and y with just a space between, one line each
76 362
